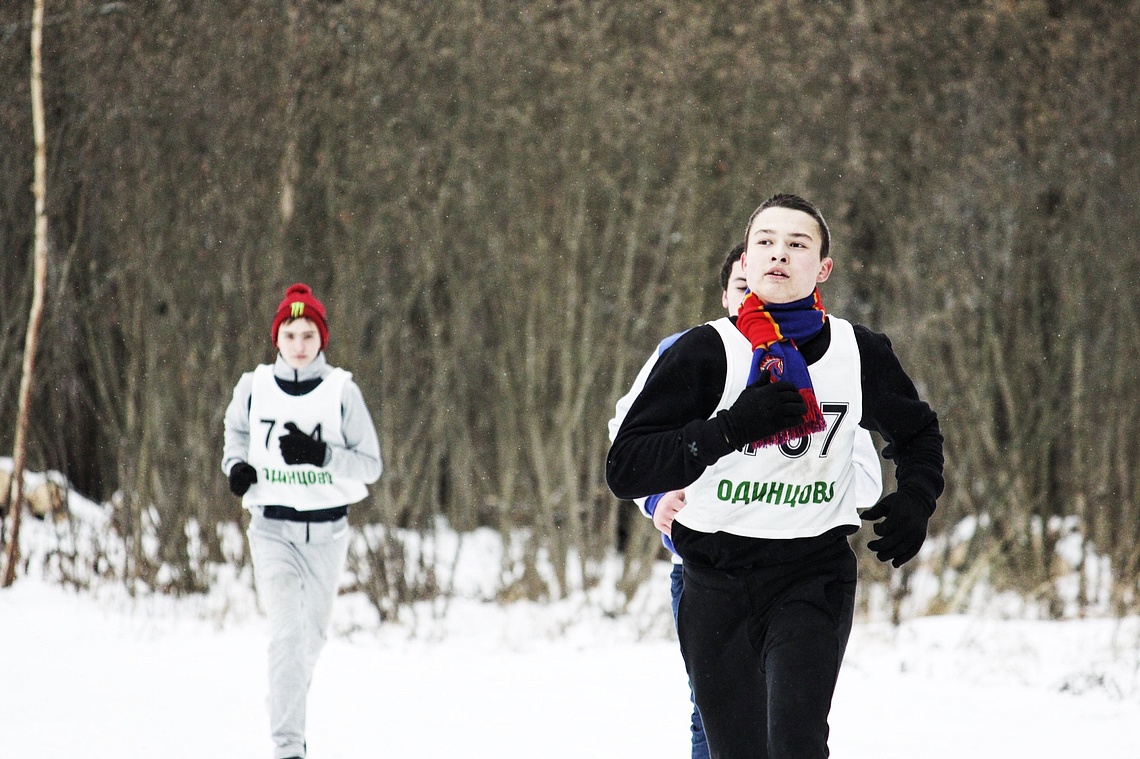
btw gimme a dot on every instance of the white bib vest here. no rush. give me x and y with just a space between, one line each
304 487
799 489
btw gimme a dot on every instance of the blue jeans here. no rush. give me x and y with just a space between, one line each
700 745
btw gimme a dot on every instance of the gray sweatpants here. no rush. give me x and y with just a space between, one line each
297 567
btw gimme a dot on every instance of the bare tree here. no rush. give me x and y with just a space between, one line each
39 189
505 216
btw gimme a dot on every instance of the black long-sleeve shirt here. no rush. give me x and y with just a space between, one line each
667 439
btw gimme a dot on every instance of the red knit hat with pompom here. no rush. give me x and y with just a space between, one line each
300 303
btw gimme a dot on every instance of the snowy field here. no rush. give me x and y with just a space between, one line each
99 675
153 679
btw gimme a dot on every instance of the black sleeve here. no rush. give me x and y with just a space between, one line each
893 408
667 439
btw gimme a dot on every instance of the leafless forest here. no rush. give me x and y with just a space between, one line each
506 205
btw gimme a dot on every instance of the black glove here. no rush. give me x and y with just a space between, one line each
762 410
242 475
299 448
903 529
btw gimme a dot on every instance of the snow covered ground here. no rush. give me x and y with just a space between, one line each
100 675
154 678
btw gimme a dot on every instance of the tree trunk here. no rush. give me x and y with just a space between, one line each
39 188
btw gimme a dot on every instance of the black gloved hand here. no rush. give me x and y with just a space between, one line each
763 409
903 529
242 475
299 448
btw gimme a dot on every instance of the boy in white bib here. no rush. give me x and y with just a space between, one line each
300 447
663 508
757 418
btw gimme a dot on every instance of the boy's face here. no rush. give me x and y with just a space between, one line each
782 261
732 297
299 341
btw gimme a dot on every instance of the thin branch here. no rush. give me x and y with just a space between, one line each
105 9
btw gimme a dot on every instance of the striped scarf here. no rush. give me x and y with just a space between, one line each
773 331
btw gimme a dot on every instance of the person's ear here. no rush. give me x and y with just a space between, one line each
825 267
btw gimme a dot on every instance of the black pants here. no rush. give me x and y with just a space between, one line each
763 646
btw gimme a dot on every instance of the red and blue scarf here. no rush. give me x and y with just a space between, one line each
774 330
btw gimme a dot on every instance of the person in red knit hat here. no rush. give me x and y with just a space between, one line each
313 452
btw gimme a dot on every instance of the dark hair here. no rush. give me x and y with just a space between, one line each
796 203
726 268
